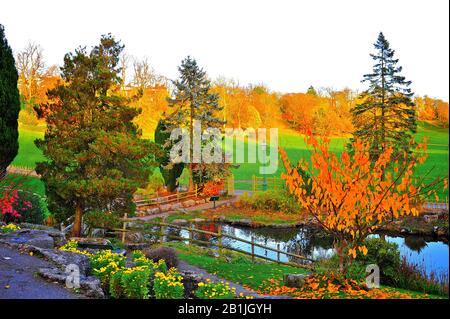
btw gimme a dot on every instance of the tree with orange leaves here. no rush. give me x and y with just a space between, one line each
351 197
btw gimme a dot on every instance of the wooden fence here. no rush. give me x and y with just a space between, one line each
169 199
162 235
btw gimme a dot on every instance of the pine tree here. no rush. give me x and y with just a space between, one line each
387 114
312 91
96 158
9 105
193 100
169 171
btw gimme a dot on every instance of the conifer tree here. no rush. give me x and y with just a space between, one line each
96 158
311 91
9 105
170 171
386 115
193 100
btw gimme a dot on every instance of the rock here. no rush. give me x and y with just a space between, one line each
154 210
188 203
98 232
89 286
64 258
190 282
176 206
430 218
294 280
200 201
134 237
32 237
165 208
180 222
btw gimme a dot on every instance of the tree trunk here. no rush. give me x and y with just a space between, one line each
76 230
383 108
191 150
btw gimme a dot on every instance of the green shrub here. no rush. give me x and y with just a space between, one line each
356 271
168 285
279 200
386 256
169 255
414 277
131 283
139 259
97 219
8 228
115 285
104 264
31 207
155 183
210 290
183 180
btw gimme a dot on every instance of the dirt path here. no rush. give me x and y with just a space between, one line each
18 279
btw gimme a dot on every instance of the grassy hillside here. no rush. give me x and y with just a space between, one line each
291 141
29 154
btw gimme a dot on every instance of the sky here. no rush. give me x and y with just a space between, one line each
287 45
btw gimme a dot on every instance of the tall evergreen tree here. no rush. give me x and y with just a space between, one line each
311 91
193 100
9 105
96 158
169 171
387 114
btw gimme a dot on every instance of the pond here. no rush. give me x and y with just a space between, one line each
309 242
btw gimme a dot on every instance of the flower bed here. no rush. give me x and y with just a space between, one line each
9 228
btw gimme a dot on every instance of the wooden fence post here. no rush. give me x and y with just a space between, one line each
161 233
253 249
219 239
124 228
278 252
191 233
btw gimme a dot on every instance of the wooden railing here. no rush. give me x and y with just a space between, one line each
179 196
163 236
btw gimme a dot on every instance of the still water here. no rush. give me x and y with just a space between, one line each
311 243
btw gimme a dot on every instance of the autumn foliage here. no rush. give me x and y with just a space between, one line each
349 196
212 188
330 287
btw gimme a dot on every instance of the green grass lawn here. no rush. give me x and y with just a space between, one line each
296 148
292 142
237 268
29 154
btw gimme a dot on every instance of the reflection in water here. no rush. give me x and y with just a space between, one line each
415 243
314 244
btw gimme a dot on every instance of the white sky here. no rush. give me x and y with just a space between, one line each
288 45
